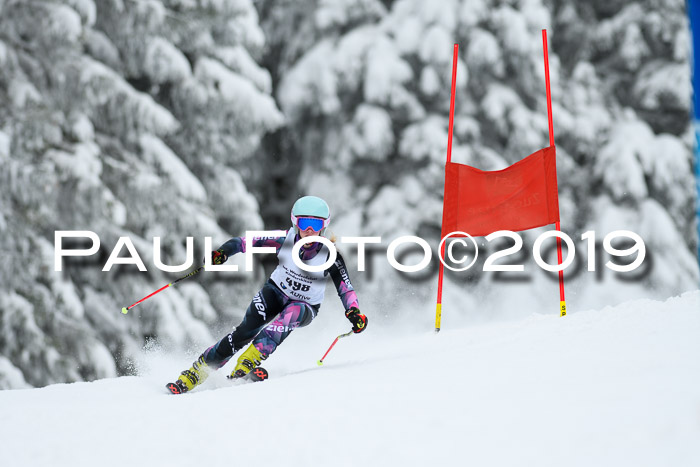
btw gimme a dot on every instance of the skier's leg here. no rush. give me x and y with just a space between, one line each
262 309
294 315
266 304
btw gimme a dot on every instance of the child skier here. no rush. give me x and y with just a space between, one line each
290 298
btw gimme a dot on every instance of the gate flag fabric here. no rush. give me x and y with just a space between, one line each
520 197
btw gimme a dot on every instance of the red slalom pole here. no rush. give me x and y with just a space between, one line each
125 309
438 305
562 300
320 362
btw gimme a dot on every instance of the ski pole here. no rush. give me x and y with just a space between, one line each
320 362
125 310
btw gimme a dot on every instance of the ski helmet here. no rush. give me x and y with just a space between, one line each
311 207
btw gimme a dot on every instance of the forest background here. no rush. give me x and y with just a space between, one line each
178 118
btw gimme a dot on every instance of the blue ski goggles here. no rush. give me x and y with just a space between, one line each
315 223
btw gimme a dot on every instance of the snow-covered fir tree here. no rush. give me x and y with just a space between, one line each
126 118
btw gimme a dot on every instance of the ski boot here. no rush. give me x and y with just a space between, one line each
197 374
249 360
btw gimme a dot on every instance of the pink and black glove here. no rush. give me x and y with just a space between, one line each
358 320
218 257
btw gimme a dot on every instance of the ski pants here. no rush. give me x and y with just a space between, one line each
269 319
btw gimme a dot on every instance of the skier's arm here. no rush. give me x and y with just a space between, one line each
238 245
341 279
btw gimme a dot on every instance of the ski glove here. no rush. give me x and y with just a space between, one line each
358 320
218 257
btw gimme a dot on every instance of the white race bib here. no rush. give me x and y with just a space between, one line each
296 283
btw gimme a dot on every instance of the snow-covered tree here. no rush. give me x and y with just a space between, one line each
126 118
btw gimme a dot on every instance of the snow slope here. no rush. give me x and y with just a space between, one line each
612 387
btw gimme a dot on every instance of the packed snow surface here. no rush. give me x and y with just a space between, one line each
612 387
